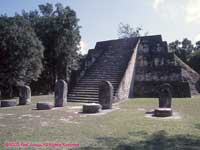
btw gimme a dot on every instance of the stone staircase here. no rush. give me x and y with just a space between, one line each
110 66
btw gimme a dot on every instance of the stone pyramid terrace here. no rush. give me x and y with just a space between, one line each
134 66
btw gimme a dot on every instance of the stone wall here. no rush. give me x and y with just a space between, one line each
155 66
127 81
189 75
140 72
150 88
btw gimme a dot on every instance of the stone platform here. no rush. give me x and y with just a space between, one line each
163 112
44 106
8 103
91 108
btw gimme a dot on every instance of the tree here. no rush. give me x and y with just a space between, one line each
194 61
182 49
21 53
175 46
187 45
197 47
187 52
126 31
57 27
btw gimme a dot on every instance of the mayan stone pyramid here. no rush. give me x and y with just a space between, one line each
136 67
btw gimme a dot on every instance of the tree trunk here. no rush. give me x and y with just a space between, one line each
10 90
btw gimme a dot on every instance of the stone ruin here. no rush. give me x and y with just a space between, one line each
156 66
60 93
106 94
8 103
24 95
60 97
134 66
165 100
165 96
91 108
44 106
105 99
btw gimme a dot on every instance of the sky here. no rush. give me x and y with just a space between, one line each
100 19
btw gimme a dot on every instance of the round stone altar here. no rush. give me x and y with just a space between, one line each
91 108
44 106
163 112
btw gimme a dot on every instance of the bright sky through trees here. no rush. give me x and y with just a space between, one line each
174 19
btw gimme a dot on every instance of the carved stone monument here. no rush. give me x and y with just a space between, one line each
60 93
106 94
165 98
44 106
24 95
91 108
8 103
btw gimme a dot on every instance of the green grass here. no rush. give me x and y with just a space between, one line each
126 127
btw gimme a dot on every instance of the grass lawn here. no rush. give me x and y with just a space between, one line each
125 128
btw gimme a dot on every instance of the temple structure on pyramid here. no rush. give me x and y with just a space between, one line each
136 67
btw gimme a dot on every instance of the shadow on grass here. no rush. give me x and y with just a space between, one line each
157 141
197 126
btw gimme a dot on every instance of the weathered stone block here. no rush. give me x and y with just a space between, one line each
60 93
91 108
44 106
165 96
163 112
106 94
24 95
8 103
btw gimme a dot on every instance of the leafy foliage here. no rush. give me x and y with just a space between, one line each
126 31
194 61
57 27
21 53
182 49
187 52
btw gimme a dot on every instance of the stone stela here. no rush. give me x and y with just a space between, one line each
24 95
165 96
165 100
60 93
106 94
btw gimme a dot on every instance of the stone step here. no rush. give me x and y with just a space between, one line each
96 83
112 68
109 67
83 98
74 91
78 87
83 95
98 70
104 73
84 92
98 80
92 77
93 83
103 77
86 85
86 88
